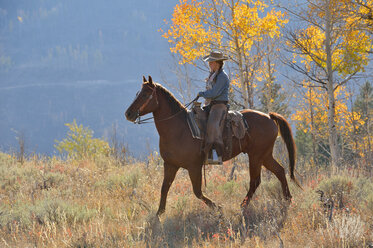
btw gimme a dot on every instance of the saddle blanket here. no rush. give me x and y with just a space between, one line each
197 121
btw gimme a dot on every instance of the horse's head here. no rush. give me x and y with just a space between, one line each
145 101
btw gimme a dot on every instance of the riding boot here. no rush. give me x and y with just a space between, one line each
220 151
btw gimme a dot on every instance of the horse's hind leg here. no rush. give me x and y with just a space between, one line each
195 175
272 165
255 169
169 176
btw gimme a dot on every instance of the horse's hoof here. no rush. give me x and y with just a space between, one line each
244 208
157 219
245 211
160 212
219 210
287 201
244 204
217 207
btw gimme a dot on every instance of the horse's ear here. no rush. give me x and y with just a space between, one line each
150 80
144 79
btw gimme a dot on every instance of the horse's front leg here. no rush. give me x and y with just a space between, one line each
168 178
195 175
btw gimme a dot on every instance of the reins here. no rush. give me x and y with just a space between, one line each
146 120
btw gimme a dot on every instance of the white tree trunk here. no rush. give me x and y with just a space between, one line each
333 138
313 135
241 72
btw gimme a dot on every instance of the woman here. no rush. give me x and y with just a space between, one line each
216 96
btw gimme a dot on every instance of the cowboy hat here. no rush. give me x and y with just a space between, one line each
215 56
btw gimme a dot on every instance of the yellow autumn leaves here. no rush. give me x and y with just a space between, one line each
198 27
349 53
350 42
312 115
187 32
363 14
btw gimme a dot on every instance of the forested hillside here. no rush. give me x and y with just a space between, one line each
65 60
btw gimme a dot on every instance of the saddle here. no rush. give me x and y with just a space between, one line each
234 126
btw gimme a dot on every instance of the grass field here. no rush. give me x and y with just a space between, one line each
49 202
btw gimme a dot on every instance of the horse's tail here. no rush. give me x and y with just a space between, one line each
287 136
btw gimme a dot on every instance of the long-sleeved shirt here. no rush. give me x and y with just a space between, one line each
220 88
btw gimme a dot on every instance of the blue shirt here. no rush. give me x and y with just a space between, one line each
220 88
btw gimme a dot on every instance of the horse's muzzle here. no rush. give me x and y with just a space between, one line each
131 115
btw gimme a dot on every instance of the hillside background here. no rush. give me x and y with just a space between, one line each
66 60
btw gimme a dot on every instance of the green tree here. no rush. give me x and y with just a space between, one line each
80 144
364 105
272 99
364 101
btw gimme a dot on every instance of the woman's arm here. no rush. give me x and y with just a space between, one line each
217 89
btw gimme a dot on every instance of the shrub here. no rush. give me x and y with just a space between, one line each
17 214
346 230
336 186
272 189
44 211
364 192
229 188
114 181
59 211
11 184
80 143
50 179
12 178
369 202
6 159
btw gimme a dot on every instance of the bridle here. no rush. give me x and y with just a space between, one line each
146 120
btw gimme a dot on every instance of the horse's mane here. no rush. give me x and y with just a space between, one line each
175 104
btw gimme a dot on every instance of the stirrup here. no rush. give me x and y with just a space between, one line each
214 159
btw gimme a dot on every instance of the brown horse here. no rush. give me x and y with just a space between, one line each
179 149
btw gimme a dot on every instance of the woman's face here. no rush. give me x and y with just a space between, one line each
214 66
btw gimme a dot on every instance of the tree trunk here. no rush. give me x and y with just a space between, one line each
313 127
269 85
244 84
368 127
334 151
250 88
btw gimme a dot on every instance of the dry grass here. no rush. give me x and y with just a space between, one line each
54 203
